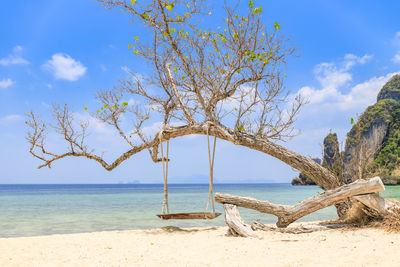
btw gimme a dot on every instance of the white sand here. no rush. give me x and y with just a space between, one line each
204 247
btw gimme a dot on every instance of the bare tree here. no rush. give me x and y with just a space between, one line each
225 82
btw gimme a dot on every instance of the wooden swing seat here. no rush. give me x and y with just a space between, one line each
189 216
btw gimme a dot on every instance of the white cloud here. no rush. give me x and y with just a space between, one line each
328 75
363 94
64 67
10 119
396 58
352 59
360 95
333 77
4 83
15 58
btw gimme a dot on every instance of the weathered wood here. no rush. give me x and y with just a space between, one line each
374 202
189 216
299 229
287 214
378 203
237 226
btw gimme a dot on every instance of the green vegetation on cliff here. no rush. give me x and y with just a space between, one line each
372 145
380 112
385 112
332 158
387 160
391 90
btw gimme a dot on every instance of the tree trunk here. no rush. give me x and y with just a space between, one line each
287 214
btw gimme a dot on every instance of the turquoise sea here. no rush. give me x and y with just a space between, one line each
30 210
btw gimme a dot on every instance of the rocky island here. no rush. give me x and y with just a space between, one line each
372 146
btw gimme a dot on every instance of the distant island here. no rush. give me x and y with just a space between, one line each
372 145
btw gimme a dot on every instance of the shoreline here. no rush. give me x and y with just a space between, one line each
205 246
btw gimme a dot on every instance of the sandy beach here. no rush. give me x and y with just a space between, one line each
204 247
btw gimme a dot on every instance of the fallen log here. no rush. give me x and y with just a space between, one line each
287 214
309 228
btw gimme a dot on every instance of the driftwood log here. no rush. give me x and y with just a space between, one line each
287 214
237 227
309 228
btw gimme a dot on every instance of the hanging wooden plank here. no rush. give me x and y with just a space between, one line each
189 216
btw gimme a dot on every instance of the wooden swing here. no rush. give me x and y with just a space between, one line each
165 214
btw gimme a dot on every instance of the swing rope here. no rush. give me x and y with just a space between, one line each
165 174
165 160
211 164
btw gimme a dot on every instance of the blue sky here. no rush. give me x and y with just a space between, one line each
64 50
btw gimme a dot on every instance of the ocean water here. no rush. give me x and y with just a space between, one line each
30 210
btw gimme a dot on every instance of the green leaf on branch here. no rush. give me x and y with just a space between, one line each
133 2
129 46
125 103
137 38
170 6
277 25
352 121
175 69
105 106
146 16
251 3
241 128
85 109
257 10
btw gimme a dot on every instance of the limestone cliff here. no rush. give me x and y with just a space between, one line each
372 145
